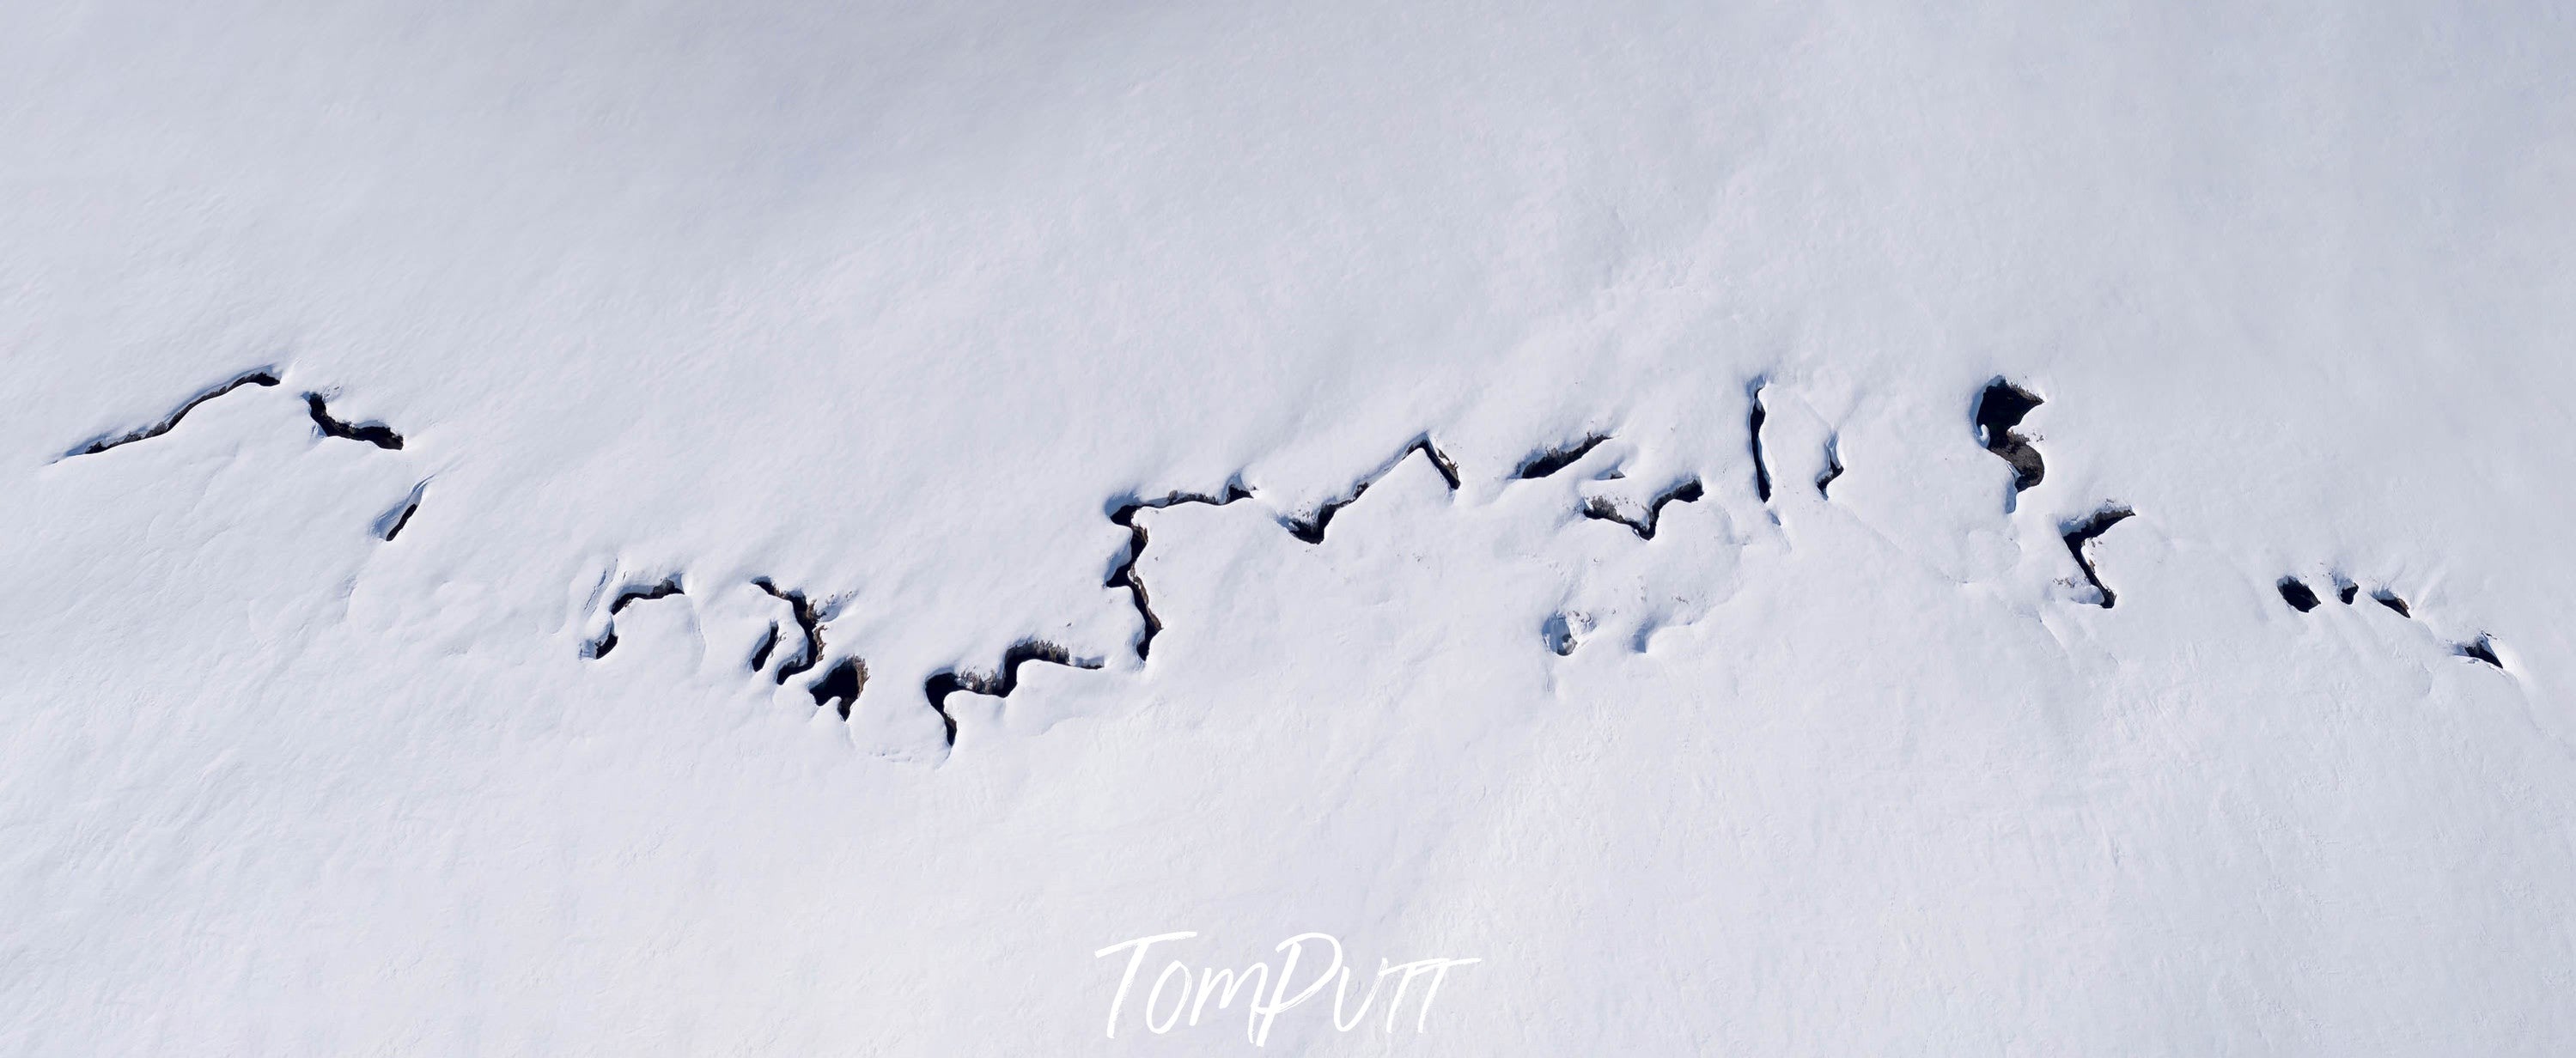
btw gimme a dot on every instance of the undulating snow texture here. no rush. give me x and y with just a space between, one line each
1778 528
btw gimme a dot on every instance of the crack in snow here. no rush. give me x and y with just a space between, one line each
628 596
374 433
2296 593
1601 507
1311 528
264 376
807 622
842 684
1753 428
2000 408
999 683
1125 574
2082 533
1543 464
1833 464
391 523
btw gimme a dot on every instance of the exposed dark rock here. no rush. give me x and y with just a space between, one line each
807 652
2296 593
2390 600
1999 409
999 683
1311 527
628 596
1605 510
2081 533
2483 649
1124 516
1542 464
1833 464
374 433
391 523
1753 428
841 685
265 376
1563 632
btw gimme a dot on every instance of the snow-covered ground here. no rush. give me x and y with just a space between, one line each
614 388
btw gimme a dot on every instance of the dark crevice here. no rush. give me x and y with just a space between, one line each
1564 631
2082 533
1311 528
999 683
1833 463
1542 464
401 518
2001 408
2390 600
628 596
374 433
1753 427
1124 516
811 650
842 684
2482 649
265 376
2296 593
1448 470
1604 509
391 523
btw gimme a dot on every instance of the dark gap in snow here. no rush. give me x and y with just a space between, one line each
768 643
2348 592
628 596
265 376
374 433
2296 593
1761 470
999 683
1833 463
401 518
390 523
1124 516
811 650
1448 470
843 683
1605 510
1311 528
2390 600
2482 649
1999 409
1542 464
1563 632
2082 533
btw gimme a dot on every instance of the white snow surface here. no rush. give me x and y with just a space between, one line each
894 305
